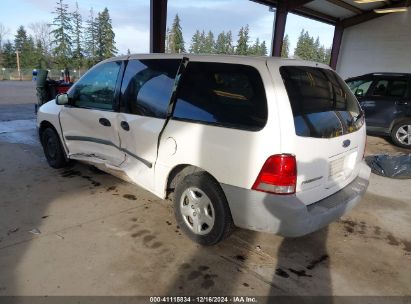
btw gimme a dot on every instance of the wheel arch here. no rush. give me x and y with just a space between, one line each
179 172
226 224
44 124
398 120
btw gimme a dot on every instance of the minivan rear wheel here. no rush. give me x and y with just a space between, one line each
53 149
201 209
401 134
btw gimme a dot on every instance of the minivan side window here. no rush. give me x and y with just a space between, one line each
96 88
230 95
147 86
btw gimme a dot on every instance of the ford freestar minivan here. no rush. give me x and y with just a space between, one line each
260 143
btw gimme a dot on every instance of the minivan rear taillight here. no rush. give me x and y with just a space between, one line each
278 175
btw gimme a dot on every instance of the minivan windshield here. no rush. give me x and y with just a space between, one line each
322 104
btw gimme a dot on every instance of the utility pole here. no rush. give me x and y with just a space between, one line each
18 63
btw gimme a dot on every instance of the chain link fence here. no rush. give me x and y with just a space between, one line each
27 74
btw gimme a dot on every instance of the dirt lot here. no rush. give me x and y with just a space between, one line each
102 236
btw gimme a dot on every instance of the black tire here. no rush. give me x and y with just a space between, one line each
53 149
223 223
404 125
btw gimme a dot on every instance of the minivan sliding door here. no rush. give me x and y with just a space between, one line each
145 96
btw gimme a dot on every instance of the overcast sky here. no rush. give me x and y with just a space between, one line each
131 19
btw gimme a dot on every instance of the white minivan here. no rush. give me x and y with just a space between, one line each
266 144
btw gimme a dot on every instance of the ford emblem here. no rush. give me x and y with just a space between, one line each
346 143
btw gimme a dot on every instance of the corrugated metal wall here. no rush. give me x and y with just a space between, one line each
379 45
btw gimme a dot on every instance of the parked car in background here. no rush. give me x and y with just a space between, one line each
265 144
386 101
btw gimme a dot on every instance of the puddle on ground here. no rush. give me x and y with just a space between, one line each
19 132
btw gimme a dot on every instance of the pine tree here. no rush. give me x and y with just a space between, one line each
263 49
285 50
255 49
30 56
39 57
90 38
309 49
317 44
9 56
305 48
25 45
299 49
321 54
20 39
195 43
176 37
242 42
62 34
209 43
77 37
327 56
202 43
229 48
105 36
220 45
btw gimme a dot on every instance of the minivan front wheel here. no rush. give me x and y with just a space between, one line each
201 209
53 149
401 134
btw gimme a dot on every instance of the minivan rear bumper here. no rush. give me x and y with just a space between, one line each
286 215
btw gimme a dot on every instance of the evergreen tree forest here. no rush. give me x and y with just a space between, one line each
206 42
309 49
78 42
66 41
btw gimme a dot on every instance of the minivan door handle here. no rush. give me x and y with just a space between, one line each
104 122
125 126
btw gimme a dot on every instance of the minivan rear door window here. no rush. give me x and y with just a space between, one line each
322 104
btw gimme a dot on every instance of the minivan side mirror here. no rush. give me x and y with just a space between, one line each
359 93
62 99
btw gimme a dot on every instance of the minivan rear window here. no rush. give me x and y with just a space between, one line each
322 104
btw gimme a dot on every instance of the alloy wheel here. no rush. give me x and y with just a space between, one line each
403 135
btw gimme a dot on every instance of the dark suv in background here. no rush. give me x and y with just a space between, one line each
386 101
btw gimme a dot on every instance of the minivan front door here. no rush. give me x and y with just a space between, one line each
145 95
89 123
